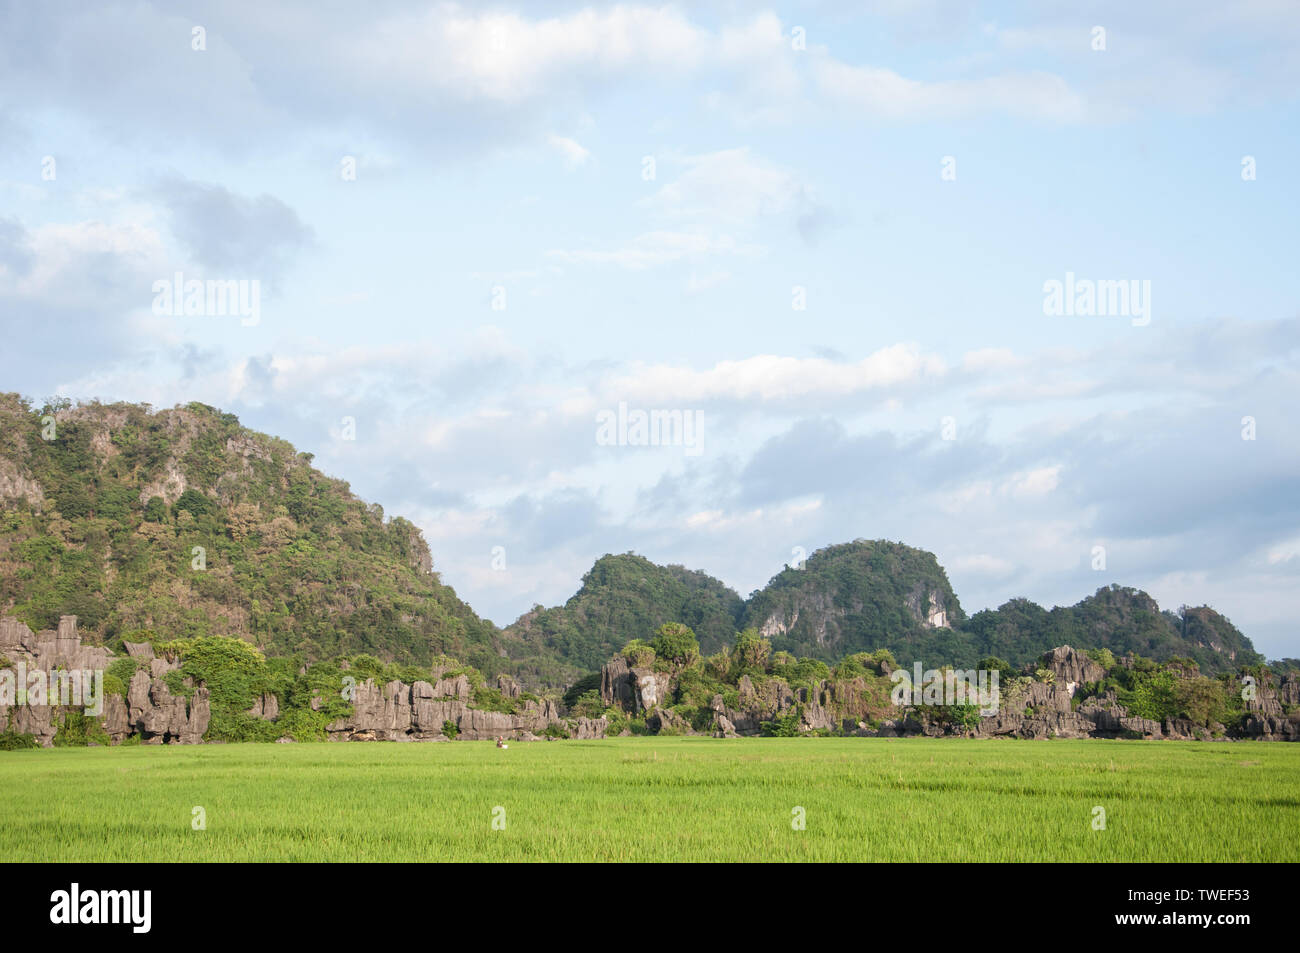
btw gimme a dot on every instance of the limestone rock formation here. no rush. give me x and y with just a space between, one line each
633 689
149 710
422 711
1046 707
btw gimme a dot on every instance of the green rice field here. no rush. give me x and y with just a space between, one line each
661 799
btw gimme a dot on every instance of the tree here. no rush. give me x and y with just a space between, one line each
992 663
155 511
195 502
676 643
752 652
638 654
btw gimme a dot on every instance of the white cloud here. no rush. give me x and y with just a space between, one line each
506 58
882 93
574 153
1038 482
713 208
770 377
731 187
658 248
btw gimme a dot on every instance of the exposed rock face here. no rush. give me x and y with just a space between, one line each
616 688
927 607
665 721
149 710
52 648
589 728
267 706
160 717
768 703
1072 668
1273 727
633 689
1266 719
815 605
421 712
16 485
723 726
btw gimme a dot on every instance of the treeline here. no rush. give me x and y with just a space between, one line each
860 686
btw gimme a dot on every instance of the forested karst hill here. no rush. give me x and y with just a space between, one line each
860 597
623 597
184 522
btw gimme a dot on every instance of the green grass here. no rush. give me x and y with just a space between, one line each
668 799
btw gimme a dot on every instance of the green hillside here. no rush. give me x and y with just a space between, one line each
625 597
1117 618
860 596
185 523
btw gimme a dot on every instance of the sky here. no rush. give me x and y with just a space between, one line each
825 235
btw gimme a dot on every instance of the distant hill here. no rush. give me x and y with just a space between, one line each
183 523
625 597
1117 618
860 597
102 521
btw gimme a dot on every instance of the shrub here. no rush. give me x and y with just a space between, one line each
77 730
1103 657
588 705
235 673
581 687
491 699
236 726
1150 695
992 663
805 673
302 724
883 658
117 679
783 726
638 654
853 666
450 729
193 501
699 717
676 643
960 716
1201 699
617 720
11 740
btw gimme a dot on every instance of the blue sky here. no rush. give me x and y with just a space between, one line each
500 158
